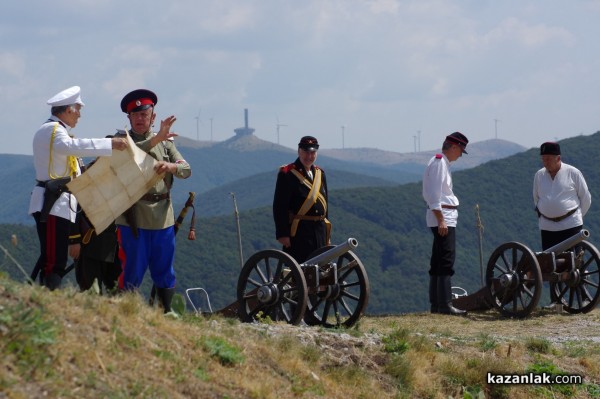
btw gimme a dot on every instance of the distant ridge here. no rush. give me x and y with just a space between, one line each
237 159
479 152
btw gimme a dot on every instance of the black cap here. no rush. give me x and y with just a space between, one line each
460 139
308 143
550 148
138 100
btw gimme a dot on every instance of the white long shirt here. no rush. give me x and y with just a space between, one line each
63 146
437 190
556 197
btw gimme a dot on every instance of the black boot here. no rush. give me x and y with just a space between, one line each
445 297
433 297
165 295
52 281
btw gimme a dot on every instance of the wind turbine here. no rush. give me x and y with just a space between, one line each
198 124
278 126
496 127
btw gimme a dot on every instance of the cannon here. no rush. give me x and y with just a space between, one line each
515 276
330 289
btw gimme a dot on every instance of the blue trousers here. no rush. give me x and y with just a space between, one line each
152 249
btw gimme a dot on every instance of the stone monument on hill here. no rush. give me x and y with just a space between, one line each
244 131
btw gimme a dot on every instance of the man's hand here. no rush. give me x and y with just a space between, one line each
74 251
285 241
165 130
442 228
119 143
164 167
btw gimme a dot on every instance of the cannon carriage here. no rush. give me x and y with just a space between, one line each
330 289
515 276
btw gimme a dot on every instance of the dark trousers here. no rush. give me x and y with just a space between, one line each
551 238
106 273
53 236
310 236
443 253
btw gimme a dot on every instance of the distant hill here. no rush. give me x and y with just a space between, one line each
394 244
257 191
230 165
479 152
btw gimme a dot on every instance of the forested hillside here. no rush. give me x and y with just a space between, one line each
394 244
237 165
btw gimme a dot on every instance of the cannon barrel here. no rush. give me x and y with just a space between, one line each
333 253
569 242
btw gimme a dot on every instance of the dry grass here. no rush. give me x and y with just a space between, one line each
67 344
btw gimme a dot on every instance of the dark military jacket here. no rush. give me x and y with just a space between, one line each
289 196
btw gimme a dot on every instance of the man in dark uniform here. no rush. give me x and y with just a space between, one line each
98 260
300 203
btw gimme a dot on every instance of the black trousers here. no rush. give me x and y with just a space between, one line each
106 273
54 244
443 253
551 238
309 237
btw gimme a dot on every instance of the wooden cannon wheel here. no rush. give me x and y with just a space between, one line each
580 294
343 301
271 284
514 279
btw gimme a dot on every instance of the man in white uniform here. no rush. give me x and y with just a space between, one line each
55 157
442 214
561 197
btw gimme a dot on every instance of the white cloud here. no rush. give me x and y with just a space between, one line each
378 67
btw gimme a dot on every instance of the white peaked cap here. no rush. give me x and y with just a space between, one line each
69 96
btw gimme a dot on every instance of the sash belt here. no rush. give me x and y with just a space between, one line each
306 217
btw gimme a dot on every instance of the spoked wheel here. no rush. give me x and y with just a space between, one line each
341 300
581 293
514 279
272 285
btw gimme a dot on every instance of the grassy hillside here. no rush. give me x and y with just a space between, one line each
72 345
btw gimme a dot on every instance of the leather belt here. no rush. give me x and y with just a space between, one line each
156 197
558 218
449 206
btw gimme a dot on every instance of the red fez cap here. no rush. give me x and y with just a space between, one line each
138 100
460 139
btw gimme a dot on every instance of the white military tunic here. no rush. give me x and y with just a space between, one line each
63 146
555 197
437 191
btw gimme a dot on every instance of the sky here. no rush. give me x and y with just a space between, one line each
389 74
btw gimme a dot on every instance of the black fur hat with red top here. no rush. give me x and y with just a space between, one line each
138 100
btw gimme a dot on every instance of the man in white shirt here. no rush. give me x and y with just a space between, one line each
56 159
561 197
442 214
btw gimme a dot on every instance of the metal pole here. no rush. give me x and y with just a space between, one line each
6 253
239 233
480 235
